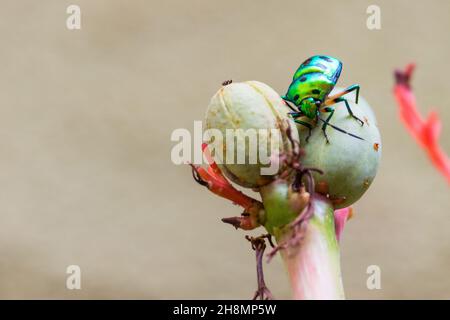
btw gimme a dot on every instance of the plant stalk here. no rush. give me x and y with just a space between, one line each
313 265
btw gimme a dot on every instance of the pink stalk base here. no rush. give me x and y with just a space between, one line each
314 265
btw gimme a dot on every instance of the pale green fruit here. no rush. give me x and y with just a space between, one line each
349 164
249 105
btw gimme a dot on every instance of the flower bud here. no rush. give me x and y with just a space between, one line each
247 124
349 164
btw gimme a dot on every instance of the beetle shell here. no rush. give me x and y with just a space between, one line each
315 78
329 66
314 85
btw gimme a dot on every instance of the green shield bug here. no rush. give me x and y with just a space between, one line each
309 92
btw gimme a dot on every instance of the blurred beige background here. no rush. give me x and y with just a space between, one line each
85 123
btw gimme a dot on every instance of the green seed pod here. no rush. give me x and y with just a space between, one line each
281 205
349 164
239 112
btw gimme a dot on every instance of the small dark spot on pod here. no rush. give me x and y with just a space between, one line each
315 91
302 79
376 146
337 200
227 82
322 187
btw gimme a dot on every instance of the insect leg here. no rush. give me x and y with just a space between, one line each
326 122
341 130
350 110
306 124
289 105
295 114
356 93
334 98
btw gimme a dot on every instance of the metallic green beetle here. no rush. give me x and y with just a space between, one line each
309 90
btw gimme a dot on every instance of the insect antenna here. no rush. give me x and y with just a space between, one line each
341 130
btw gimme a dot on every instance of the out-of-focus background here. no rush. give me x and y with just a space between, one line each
85 122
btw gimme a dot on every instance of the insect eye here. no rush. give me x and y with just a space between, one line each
296 97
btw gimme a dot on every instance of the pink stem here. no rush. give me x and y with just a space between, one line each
314 265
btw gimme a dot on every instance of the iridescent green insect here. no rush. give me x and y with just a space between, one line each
309 90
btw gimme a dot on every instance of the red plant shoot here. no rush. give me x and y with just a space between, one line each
424 131
213 179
